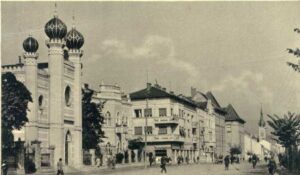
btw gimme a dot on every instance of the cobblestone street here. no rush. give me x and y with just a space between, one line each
193 169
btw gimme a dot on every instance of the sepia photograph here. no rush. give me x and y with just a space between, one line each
150 87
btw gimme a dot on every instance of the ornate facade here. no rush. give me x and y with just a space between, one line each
55 118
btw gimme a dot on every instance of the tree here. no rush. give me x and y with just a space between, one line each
15 98
286 130
92 120
235 150
295 52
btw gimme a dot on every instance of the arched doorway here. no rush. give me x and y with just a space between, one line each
67 147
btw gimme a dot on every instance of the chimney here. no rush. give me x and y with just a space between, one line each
148 85
193 91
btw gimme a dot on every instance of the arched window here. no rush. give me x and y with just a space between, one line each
41 101
118 119
68 96
108 118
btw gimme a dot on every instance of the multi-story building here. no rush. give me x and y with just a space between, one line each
117 118
234 129
172 123
55 119
214 117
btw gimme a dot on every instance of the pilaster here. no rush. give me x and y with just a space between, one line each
56 96
30 66
75 57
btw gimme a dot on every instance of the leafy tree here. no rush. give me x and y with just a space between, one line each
15 98
235 150
295 52
92 120
136 143
286 131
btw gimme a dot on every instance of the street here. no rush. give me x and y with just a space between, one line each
193 169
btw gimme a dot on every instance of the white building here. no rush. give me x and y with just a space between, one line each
55 122
117 117
234 129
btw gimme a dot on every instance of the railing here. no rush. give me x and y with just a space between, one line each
195 124
121 129
195 139
166 120
165 138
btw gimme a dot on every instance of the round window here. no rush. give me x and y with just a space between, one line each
68 96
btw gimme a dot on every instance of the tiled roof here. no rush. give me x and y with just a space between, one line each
232 115
209 95
157 92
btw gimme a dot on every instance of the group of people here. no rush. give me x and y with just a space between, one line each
164 160
254 159
180 159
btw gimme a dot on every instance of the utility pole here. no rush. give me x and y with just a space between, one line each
146 122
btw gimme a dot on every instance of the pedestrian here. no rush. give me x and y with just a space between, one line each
226 162
60 167
232 159
113 162
163 163
4 167
187 159
178 160
272 166
98 162
254 160
198 159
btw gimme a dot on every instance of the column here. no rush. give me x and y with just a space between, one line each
129 156
93 157
51 150
37 153
75 57
30 66
56 97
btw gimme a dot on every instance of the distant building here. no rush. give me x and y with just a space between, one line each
215 122
234 129
55 119
117 118
261 145
262 135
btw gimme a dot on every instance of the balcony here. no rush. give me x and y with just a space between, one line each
195 124
170 120
164 138
121 130
195 140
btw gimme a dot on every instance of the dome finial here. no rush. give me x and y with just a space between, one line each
73 20
55 9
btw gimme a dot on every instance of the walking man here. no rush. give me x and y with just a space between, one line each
60 170
4 167
163 163
226 162
272 166
254 160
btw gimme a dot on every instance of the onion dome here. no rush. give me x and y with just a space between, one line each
30 44
74 39
55 28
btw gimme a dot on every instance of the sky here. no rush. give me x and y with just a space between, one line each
236 50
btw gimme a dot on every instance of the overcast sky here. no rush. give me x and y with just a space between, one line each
237 50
